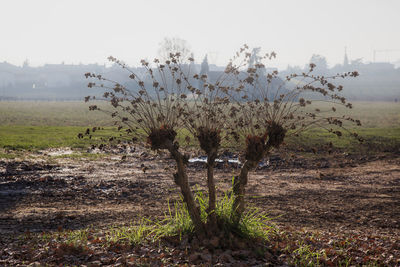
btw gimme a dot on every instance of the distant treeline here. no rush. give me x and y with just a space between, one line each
61 82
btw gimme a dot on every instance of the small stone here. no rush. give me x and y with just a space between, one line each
226 257
184 242
214 242
94 263
240 244
35 264
241 254
120 259
206 257
194 257
38 256
195 244
105 260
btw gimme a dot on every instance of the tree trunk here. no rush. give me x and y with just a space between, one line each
239 185
181 179
239 190
211 190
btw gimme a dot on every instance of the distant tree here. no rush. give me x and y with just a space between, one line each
204 71
357 62
25 64
255 57
172 46
192 64
321 64
293 69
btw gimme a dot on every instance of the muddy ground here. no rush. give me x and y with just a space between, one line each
323 192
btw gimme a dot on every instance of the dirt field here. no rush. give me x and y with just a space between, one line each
328 193
318 192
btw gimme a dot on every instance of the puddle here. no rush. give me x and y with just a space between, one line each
203 159
231 161
60 152
106 191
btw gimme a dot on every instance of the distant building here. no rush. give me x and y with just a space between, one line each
377 81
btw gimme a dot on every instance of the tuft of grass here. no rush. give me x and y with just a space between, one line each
76 237
176 222
134 234
254 224
131 235
305 255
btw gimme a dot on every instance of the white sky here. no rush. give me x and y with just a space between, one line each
74 31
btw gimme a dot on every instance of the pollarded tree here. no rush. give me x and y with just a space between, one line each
246 104
162 104
265 110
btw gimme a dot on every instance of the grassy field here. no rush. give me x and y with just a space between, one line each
376 140
28 113
371 114
41 125
42 137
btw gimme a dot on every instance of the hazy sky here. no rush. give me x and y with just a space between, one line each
74 31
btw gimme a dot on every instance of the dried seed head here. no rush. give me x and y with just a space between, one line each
158 137
209 139
276 134
255 147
